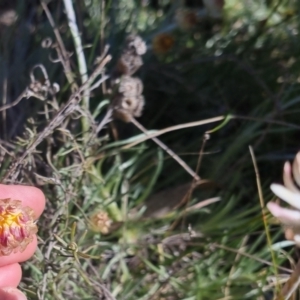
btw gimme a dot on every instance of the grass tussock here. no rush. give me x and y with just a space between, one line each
135 119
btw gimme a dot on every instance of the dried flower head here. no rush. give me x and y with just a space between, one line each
17 226
100 222
290 193
8 17
186 18
128 101
135 45
130 60
128 64
163 43
130 86
127 107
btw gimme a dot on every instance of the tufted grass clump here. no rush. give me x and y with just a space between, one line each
135 119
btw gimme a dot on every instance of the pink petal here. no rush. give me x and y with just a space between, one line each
288 196
286 216
296 170
287 178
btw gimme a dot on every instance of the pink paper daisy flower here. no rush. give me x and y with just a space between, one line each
17 226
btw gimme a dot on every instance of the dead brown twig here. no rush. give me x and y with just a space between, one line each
18 100
61 50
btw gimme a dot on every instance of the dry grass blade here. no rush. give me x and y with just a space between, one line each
243 253
107 118
173 128
203 204
291 285
167 149
166 201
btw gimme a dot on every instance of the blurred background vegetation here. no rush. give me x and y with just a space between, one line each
122 221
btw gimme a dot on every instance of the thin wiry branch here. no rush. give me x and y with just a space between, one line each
62 114
107 118
62 52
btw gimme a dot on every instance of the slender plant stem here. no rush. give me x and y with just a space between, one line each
262 205
80 56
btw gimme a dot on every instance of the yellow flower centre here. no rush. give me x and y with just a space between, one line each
9 219
17 226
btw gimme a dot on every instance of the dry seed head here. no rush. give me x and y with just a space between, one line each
8 17
130 60
128 64
139 106
136 45
17 226
130 86
100 222
127 107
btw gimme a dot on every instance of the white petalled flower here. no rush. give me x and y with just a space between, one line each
290 193
292 198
